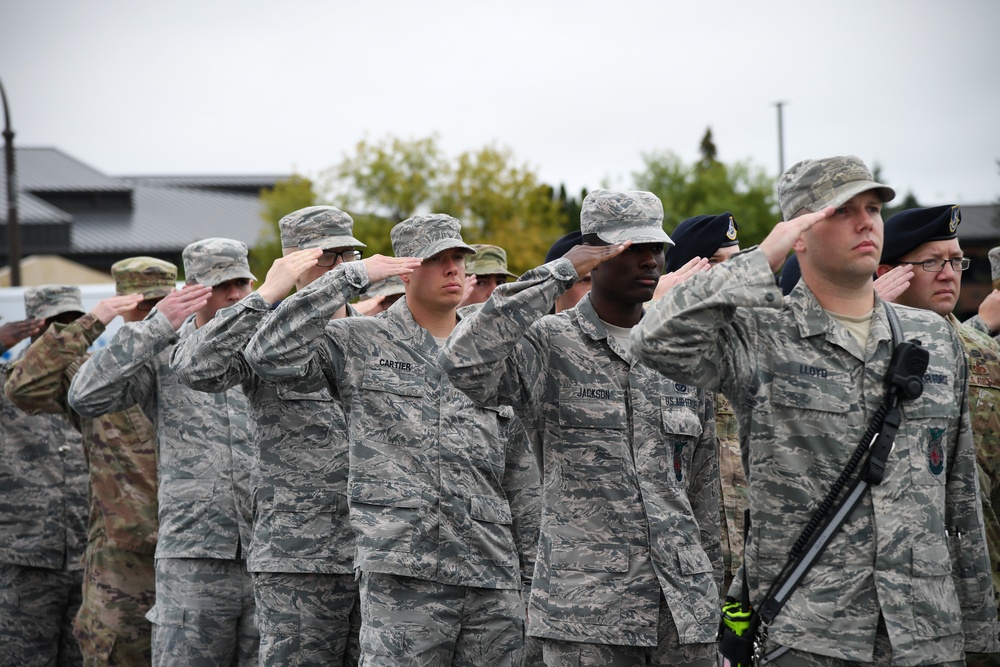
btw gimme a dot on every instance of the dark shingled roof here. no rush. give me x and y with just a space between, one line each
979 222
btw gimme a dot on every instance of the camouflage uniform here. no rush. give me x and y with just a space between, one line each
975 321
43 519
427 469
204 598
120 447
803 389
302 551
733 489
630 502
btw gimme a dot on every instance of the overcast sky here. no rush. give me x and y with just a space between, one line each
577 90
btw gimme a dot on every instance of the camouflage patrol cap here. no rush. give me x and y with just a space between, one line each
148 276
388 287
908 230
488 260
815 184
213 261
50 300
318 227
994 255
618 216
424 236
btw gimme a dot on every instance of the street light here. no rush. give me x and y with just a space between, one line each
781 140
13 231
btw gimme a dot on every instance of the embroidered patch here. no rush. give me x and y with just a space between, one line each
935 452
731 232
678 461
680 388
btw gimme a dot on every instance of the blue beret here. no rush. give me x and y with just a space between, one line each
910 229
563 245
700 236
790 274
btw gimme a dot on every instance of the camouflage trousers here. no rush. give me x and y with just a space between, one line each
667 653
37 607
204 614
118 590
307 619
407 621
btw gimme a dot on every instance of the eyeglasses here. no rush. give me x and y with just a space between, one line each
147 305
937 265
330 257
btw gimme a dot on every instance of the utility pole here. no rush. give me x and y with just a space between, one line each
781 140
13 230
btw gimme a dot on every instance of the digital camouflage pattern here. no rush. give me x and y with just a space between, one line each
616 216
318 227
815 184
43 532
426 235
203 446
120 449
732 490
51 300
804 391
299 482
427 468
975 321
148 276
214 261
489 260
630 478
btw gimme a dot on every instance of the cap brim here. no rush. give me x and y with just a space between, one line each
231 275
442 245
845 193
328 242
636 235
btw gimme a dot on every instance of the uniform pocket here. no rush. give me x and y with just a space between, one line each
304 522
386 515
586 582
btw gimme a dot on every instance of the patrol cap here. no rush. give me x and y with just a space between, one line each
424 236
994 255
214 261
700 236
488 260
618 216
815 184
908 230
790 275
563 245
48 301
388 287
148 276
318 227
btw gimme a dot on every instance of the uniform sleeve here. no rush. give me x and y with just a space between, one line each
523 484
122 374
967 535
283 345
211 358
695 333
703 488
977 323
490 356
39 381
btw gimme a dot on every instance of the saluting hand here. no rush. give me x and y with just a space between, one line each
380 267
894 282
586 257
989 310
669 280
12 333
281 277
779 242
110 308
179 304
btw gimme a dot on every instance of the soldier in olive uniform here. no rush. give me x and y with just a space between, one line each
715 238
489 266
43 515
435 546
204 610
118 585
302 552
12 333
987 319
926 239
905 580
629 563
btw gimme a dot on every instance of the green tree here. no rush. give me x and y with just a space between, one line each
502 203
710 186
286 196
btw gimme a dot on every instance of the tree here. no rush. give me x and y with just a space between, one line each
710 186
392 178
288 195
504 204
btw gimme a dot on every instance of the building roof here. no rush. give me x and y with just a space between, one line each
980 223
131 214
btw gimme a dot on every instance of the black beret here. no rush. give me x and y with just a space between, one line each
563 245
700 236
910 229
790 274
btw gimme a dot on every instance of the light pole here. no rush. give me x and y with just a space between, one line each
781 140
13 230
